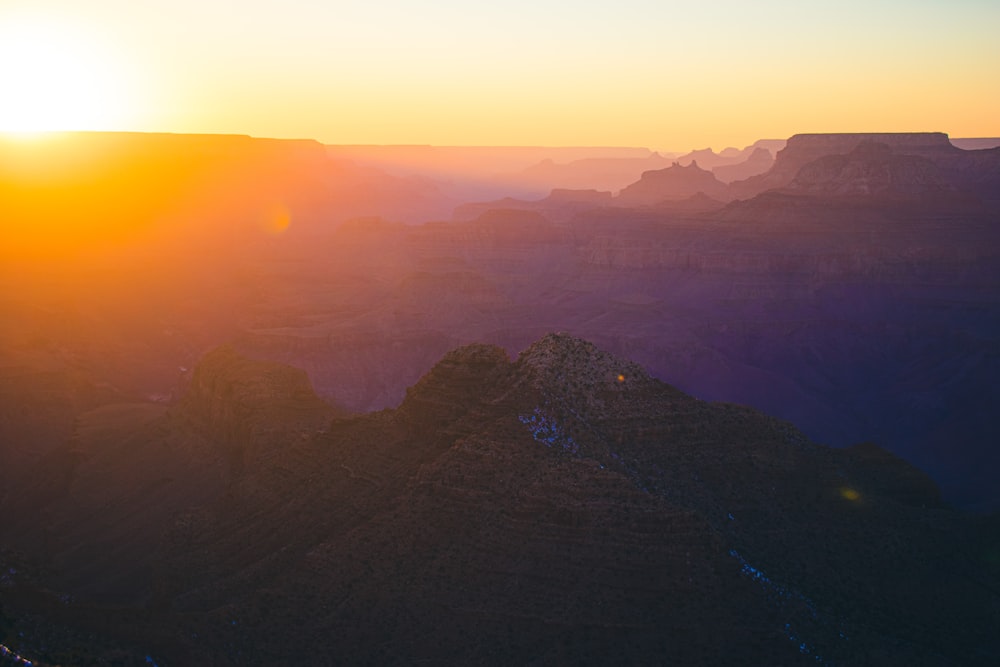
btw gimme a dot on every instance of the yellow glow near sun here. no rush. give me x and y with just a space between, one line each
276 219
56 77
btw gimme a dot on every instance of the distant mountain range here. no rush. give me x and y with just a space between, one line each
889 162
469 172
857 316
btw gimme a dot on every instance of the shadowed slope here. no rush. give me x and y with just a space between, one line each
562 507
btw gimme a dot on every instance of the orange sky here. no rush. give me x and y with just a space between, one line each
667 75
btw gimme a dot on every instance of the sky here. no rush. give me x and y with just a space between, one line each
660 74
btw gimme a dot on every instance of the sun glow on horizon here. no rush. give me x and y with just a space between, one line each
669 76
56 77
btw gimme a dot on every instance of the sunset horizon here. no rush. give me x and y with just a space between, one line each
668 77
26 138
412 332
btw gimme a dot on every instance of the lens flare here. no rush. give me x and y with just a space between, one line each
850 494
276 219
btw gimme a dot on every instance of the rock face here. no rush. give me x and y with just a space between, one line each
709 159
560 507
759 161
96 506
802 149
870 169
673 183
241 401
733 158
451 388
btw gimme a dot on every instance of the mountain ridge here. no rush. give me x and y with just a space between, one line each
562 505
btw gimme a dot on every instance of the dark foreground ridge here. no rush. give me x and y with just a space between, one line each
561 508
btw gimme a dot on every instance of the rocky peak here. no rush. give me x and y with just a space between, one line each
673 183
569 370
709 159
456 383
243 401
560 355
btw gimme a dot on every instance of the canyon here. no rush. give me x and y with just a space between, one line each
252 390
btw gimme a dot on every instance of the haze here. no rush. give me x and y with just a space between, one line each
667 75
528 333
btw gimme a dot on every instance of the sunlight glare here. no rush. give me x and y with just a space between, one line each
276 219
55 77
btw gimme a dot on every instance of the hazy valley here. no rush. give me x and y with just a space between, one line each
531 497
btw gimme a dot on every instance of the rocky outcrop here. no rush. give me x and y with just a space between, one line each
870 169
453 386
759 161
802 149
729 157
673 183
246 405
709 159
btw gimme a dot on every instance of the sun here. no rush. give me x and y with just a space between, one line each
54 76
